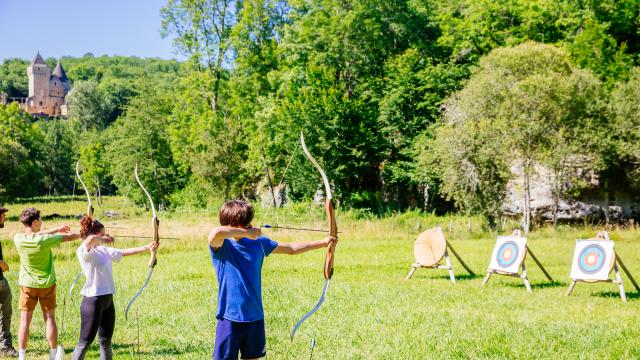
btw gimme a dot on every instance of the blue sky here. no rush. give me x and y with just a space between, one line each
74 27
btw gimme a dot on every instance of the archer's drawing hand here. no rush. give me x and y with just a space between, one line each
253 233
64 229
331 241
108 239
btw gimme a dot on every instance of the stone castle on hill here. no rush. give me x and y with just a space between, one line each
47 90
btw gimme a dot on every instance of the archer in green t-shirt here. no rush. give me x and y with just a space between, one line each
37 276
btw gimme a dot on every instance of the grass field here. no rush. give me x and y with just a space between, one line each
370 311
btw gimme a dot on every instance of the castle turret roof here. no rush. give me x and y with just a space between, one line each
59 72
38 60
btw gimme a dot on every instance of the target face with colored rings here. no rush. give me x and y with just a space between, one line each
591 259
507 254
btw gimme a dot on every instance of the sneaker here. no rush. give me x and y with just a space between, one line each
10 351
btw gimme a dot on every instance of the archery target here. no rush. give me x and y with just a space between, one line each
430 247
508 254
592 260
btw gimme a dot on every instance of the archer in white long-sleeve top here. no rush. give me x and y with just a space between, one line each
97 312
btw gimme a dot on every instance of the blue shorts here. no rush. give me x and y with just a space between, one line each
232 337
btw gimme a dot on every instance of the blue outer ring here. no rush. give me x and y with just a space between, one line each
515 250
599 251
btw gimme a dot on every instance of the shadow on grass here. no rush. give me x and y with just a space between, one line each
56 216
461 277
47 199
616 294
541 285
124 346
50 217
132 349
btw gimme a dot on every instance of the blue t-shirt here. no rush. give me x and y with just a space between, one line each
238 265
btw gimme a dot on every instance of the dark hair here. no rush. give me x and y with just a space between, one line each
89 226
236 213
28 216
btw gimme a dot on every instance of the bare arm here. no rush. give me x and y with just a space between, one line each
70 237
92 241
137 250
63 230
49 231
294 248
217 235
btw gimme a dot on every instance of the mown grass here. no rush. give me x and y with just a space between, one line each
370 311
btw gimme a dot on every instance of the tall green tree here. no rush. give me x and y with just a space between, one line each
58 153
625 115
530 99
201 29
140 137
89 106
20 153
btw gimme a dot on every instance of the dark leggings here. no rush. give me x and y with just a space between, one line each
97 316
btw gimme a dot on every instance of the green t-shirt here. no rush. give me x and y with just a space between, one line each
36 260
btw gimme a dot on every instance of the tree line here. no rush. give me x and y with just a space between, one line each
407 104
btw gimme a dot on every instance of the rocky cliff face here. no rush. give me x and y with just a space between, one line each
607 200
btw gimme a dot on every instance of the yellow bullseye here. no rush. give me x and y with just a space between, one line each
591 259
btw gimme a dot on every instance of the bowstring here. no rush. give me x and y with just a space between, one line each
271 206
271 203
126 198
117 279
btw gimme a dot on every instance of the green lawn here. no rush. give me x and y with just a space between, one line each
370 311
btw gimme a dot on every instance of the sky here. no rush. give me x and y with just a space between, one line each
75 27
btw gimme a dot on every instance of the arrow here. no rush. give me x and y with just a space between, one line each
144 237
267 226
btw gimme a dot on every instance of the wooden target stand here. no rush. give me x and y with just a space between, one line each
516 247
429 249
579 275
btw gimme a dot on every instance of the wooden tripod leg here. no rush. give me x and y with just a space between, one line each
449 267
525 278
486 278
460 259
571 287
623 295
535 259
626 271
413 270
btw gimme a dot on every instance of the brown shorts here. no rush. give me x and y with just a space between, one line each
29 297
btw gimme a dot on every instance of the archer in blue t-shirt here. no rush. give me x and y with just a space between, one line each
237 252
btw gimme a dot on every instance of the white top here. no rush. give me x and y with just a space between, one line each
96 265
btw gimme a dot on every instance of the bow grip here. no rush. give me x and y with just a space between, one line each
333 231
156 238
328 262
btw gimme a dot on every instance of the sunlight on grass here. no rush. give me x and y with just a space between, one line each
370 311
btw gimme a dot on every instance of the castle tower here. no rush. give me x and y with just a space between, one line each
59 83
39 75
47 90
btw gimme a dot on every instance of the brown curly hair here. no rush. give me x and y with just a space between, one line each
89 226
29 215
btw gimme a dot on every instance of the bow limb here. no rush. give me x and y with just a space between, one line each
333 231
89 213
328 206
155 223
86 191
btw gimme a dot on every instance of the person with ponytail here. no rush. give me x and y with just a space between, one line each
97 312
